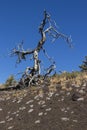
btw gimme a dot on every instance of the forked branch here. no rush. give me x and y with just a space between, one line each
46 27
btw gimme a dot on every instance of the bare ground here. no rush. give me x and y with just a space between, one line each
44 109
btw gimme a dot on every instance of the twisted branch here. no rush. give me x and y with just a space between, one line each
43 30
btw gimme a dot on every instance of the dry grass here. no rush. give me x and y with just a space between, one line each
65 80
68 79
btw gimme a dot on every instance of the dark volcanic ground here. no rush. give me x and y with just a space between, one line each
39 109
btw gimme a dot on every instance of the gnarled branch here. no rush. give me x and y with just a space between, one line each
50 29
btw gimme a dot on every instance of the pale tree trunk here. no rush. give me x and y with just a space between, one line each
33 72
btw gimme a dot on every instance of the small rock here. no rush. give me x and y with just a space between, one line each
17 111
80 99
48 109
17 115
75 121
31 106
10 119
2 122
9 112
45 113
50 94
84 85
62 99
2 99
14 113
68 108
68 93
69 89
0 109
44 105
10 127
57 94
81 91
36 97
8 98
31 110
41 102
29 101
25 94
37 121
77 90
47 98
18 101
65 111
76 86
75 97
14 100
65 119
62 109
40 114
22 108
72 112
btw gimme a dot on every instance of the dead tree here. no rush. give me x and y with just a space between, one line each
46 27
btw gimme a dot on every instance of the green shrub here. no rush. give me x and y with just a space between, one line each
83 66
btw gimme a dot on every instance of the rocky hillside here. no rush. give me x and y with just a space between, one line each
58 104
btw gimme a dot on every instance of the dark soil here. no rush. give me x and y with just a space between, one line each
40 109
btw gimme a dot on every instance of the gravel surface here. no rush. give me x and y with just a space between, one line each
36 109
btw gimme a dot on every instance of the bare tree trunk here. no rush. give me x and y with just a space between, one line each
32 72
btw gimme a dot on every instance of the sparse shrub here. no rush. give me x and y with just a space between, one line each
10 81
72 75
83 67
67 75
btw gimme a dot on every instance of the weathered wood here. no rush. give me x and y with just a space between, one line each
31 73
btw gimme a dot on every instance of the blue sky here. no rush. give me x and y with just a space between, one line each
19 20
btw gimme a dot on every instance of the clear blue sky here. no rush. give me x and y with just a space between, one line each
19 20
